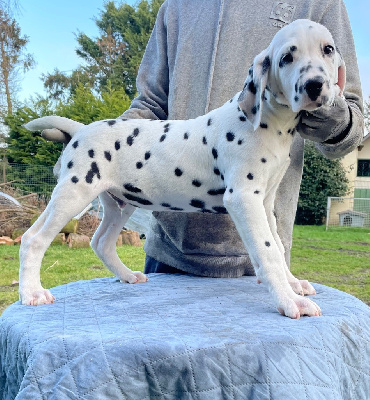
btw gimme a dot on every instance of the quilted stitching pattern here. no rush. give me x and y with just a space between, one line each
183 337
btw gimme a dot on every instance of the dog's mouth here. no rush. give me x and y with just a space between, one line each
312 94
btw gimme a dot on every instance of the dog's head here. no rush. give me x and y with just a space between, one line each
301 69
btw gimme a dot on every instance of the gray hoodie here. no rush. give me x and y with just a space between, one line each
197 58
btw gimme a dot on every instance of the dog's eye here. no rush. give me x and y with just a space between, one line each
286 59
328 49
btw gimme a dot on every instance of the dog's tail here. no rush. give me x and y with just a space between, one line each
54 128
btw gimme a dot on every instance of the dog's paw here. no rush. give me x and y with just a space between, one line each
141 278
301 287
295 284
135 277
296 306
308 289
36 297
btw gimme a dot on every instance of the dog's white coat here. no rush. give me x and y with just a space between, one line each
217 162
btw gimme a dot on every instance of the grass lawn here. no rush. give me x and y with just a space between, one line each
337 258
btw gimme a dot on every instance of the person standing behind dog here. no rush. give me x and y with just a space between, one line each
197 58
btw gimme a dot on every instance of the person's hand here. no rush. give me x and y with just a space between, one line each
326 124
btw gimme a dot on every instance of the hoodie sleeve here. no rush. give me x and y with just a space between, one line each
153 77
349 139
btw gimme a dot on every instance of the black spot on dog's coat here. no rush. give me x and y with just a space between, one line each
166 205
176 209
130 140
117 145
139 200
209 122
216 171
94 170
75 144
204 140
216 192
243 118
256 192
214 153
108 155
255 109
252 87
268 244
197 203
166 128
196 183
131 188
263 160
139 165
186 136
178 172
147 155
263 125
74 179
266 65
250 176
230 136
91 153
111 122
70 165
162 138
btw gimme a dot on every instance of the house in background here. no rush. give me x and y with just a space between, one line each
354 209
357 166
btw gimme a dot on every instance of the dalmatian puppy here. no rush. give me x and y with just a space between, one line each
230 160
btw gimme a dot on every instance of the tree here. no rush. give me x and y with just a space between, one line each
115 55
12 58
25 147
322 178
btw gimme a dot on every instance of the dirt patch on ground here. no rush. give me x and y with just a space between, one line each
363 253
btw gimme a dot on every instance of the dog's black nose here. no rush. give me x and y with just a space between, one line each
313 88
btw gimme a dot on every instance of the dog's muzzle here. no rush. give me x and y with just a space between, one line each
313 87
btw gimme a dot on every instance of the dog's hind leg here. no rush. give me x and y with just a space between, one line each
67 201
104 239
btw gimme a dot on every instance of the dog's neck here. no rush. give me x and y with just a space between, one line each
281 115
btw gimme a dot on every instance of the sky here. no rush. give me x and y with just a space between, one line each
51 27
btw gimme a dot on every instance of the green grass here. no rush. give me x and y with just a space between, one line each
337 258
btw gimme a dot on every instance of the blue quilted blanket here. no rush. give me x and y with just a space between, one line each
183 337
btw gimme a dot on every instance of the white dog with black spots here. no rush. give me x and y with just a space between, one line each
230 160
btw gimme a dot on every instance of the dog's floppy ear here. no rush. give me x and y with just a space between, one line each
341 72
250 99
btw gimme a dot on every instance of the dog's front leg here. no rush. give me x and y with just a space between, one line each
248 213
301 287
